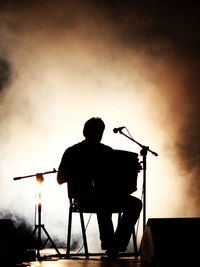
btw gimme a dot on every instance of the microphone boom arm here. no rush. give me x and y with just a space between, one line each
142 146
32 175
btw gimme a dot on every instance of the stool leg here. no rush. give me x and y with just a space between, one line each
135 244
119 217
69 232
84 235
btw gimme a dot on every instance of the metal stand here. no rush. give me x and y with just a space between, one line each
39 227
143 153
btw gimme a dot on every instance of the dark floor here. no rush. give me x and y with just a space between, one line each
93 262
50 259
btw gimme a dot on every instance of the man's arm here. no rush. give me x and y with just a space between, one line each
61 177
63 169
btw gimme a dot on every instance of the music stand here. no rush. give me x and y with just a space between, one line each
143 153
40 226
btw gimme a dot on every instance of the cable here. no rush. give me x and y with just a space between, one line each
137 224
129 133
85 231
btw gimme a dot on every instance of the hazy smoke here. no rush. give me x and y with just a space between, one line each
130 62
5 74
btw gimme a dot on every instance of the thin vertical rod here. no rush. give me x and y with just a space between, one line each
144 191
39 224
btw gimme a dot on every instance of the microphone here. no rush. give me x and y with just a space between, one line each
116 130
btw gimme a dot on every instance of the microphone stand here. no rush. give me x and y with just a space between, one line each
40 226
143 153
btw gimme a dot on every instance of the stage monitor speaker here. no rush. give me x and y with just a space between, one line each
11 249
171 240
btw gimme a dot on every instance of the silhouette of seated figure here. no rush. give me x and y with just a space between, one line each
89 168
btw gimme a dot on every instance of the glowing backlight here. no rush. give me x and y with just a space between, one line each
38 193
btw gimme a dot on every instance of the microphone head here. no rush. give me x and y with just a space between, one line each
116 130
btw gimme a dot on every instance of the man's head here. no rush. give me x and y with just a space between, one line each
93 130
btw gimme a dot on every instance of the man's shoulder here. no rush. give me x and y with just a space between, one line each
105 147
74 148
83 146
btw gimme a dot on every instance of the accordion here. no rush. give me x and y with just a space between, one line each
121 170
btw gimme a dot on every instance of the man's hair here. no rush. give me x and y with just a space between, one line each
93 125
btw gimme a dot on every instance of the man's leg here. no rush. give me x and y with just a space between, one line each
131 208
92 200
106 229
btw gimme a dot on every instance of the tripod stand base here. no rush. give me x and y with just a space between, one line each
40 246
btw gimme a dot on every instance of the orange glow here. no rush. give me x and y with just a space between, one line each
38 193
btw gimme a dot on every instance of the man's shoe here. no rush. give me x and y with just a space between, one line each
112 253
105 245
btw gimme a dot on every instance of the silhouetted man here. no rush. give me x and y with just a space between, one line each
85 167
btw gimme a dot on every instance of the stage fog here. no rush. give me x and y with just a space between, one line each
62 64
